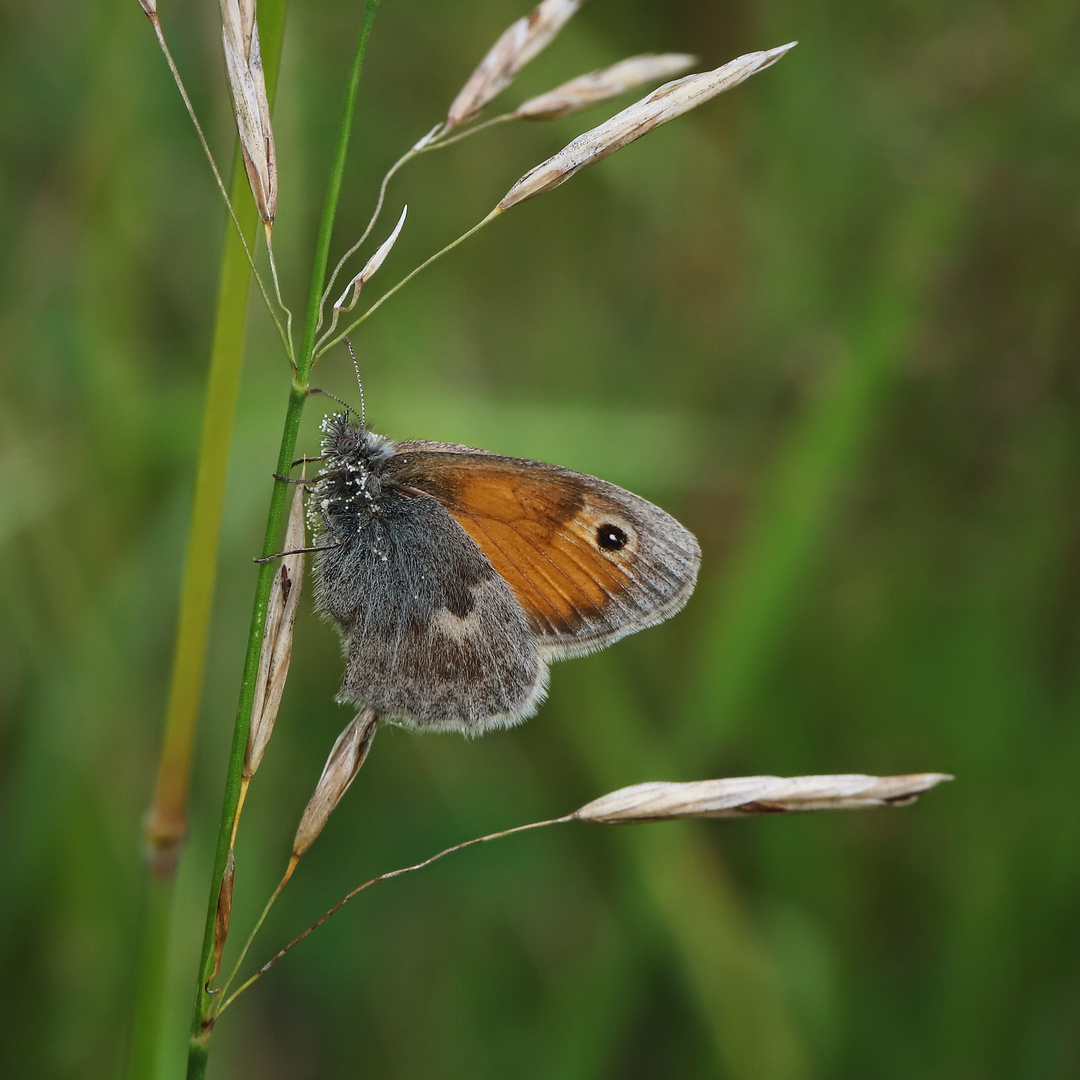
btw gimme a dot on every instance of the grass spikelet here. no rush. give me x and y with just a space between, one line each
247 85
744 795
518 44
338 773
606 83
663 104
277 638
343 302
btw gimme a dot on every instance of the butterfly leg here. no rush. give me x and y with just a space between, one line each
295 551
304 460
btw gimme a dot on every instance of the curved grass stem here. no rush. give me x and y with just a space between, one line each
438 142
327 342
431 141
406 157
288 336
367 885
257 927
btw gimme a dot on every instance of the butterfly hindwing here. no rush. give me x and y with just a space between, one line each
431 633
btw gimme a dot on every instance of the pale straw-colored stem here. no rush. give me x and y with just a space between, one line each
328 336
327 342
245 783
434 140
288 339
406 157
439 143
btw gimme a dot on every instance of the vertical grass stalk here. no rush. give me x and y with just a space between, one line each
202 1023
166 826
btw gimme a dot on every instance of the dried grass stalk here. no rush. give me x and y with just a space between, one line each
149 6
343 302
277 638
663 104
743 795
518 44
338 773
609 82
243 64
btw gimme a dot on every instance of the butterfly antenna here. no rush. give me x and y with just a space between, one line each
326 393
359 383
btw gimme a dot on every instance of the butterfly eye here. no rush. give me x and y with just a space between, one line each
611 537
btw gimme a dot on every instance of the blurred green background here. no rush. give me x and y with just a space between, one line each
830 320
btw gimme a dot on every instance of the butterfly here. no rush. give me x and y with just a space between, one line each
454 575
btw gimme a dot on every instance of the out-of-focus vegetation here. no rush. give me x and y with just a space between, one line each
830 320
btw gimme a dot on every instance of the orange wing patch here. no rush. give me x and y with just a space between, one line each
566 550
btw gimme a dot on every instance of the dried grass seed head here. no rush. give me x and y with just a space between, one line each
742 795
346 757
518 44
663 104
223 913
251 106
343 302
277 640
609 82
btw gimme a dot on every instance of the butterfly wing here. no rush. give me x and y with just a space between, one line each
588 561
434 638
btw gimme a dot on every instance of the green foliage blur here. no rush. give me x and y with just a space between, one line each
830 320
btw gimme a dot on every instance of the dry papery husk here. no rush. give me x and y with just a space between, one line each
346 758
346 303
609 82
517 45
663 104
742 795
276 652
251 106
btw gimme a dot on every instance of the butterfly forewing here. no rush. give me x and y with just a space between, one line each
587 561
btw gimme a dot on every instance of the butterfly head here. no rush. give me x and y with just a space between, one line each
350 481
348 441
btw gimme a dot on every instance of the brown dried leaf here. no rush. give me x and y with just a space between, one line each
247 84
518 44
338 773
663 104
609 82
277 638
224 914
739 796
343 302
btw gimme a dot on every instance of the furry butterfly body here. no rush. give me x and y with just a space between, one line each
455 575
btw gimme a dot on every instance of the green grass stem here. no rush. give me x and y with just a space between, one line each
202 1023
325 344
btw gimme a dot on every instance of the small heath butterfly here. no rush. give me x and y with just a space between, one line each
455 575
